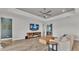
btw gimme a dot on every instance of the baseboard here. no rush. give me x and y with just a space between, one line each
12 38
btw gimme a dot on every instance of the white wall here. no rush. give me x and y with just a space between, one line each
20 24
35 21
22 27
66 25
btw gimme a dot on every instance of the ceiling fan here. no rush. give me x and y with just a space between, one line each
46 13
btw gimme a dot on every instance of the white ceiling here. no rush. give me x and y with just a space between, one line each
55 11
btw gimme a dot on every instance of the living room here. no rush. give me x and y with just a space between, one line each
64 23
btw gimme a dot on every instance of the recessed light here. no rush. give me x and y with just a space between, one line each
63 10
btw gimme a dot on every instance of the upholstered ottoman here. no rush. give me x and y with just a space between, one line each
42 41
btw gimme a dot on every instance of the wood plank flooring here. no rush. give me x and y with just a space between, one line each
26 45
32 45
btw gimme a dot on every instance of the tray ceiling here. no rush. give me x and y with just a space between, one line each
54 11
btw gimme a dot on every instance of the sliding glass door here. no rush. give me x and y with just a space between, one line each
6 28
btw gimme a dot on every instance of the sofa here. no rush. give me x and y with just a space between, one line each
65 43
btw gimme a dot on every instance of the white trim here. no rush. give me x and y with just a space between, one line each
26 14
63 15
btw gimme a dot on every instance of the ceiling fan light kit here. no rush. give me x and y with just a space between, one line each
46 13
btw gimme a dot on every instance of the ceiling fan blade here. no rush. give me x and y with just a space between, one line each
49 14
49 11
42 12
42 16
45 12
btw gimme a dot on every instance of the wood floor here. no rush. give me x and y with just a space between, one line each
26 45
32 45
